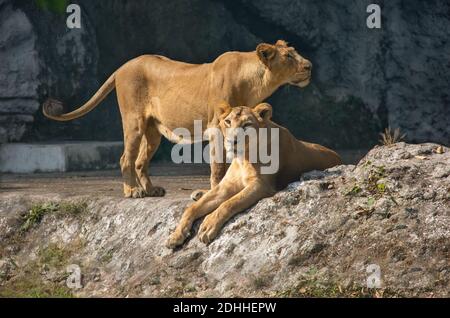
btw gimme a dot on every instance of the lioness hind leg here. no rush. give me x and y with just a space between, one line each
133 132
149 144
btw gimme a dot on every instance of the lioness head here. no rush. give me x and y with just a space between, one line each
285 63
238 123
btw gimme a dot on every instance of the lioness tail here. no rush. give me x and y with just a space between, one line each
53 109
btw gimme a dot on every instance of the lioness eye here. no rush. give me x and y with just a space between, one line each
228 122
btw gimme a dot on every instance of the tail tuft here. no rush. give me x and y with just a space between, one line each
53 107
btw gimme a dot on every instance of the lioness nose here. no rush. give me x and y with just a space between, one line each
307 65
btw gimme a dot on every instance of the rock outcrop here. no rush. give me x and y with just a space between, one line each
40 57
363 80
19 70
318 237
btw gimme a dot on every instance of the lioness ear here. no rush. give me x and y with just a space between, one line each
222 109
282 43
264 111
266 53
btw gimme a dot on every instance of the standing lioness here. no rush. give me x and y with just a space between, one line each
156 95
244 183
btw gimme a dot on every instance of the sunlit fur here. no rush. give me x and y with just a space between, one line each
156 95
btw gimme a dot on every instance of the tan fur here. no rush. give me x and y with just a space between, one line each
243 184
157 95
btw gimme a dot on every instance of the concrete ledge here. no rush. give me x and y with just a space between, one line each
59 157
83 156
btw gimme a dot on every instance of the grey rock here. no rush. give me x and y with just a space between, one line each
274 248
19 71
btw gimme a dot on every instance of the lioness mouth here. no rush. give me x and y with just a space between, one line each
302 83
303 79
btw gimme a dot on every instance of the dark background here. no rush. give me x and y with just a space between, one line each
363 80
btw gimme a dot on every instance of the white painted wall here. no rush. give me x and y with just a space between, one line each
27 158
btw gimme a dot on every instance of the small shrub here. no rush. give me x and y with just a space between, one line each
390 137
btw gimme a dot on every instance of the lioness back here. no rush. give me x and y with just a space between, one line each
323 157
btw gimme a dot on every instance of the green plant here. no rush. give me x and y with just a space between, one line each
354 191
32 286
29 282
107 257
72 208
373 184
381 187
56 6
53 255
190 289
36 213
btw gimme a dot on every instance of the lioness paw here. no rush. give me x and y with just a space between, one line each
156 192
127 193
209 229
197 194
175 239
137 193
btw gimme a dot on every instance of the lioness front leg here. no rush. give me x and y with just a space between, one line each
218 167
208 203
212 224
218 171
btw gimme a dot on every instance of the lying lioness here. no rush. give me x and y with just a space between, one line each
244 184
156 95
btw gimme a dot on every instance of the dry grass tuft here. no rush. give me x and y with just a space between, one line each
390 137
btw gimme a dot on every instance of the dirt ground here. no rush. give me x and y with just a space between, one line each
179 181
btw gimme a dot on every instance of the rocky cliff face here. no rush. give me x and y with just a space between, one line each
399 74
40 58
364 79
316 238
19 70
